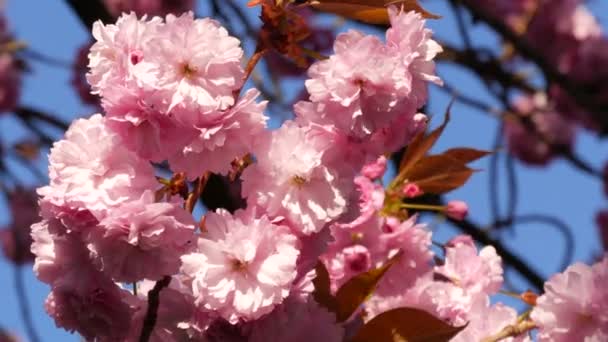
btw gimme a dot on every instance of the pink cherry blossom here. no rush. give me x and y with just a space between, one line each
441 299
229 135
135 115
297 320
243 266
90 304
56 251
375 169
91 169
486 320
142 240
290 180
412 43
195 65
413 241
575 305
476 273
118 49
366 84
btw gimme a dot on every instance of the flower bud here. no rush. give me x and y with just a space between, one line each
457 210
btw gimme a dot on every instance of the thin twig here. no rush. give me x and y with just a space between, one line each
464 33
24 307
579 93
152 311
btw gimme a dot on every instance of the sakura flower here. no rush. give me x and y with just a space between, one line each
137 117
413 241
290 180
142 240
57 252
411 41
195 64
243 267
475 273
575 305
366 85
486 320
118 49
441 299
90 169
376 169
229 135
90 304
297 320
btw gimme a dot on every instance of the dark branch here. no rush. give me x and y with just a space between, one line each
580 93
152 312
90 11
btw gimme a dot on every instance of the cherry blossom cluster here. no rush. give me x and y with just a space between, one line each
172 93
578 49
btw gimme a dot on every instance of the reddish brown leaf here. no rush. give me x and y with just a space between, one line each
369 11
406 325
352 294
421 144
442 183
433 165
322 293
466 155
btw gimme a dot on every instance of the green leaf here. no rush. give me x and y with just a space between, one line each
358 289
406 325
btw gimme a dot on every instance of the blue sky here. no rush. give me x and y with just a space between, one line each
50 27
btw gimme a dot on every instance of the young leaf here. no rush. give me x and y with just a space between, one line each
322 293
442 183
352 294
466 155
439 174
421 144
406 324
369 11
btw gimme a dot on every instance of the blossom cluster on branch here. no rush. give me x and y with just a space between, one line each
322 250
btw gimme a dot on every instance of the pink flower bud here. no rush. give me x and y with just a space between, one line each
457 210
376 169
411 190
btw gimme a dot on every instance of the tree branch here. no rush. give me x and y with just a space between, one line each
90 11
580 93
152 312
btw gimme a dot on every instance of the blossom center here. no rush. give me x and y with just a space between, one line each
298 180
188 70
238 265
